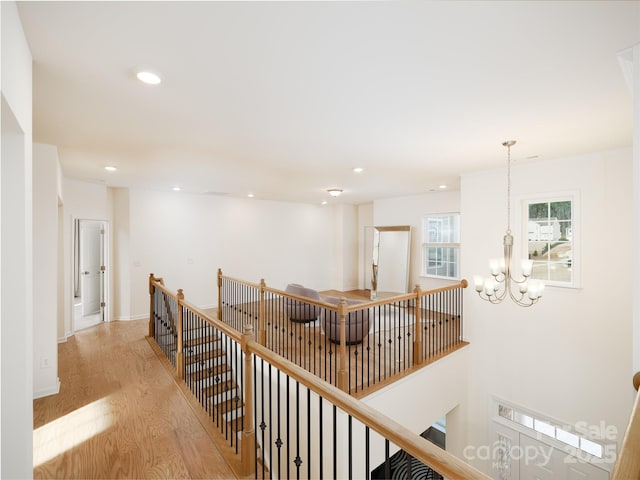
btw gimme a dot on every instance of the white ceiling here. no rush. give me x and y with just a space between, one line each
283 99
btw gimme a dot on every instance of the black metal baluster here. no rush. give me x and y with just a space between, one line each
350 445
288 428
367 459
387 463
335 444
279 439
298 460
270 425
320 440
308 432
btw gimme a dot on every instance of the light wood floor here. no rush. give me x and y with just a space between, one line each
119 414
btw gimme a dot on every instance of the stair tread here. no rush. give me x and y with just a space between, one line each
220 388
195 341
208 355
228 406
210 372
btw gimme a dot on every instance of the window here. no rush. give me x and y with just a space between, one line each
551 239
441 245
547 428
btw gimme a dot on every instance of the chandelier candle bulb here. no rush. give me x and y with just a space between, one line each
527 265
494 266
478 281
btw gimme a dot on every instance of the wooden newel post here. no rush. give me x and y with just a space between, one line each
180 337
262 329
417 334
220 294
152 329
248 444
343 377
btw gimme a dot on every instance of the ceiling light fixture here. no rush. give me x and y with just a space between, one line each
176 189
110 168
148 77
250 195
501 275
335 192
358 170
442 187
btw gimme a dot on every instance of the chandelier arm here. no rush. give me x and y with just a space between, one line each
520 301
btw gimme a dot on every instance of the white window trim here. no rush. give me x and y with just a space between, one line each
424 244
520 250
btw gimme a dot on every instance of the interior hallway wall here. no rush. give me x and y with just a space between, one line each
16 243
185 238
45 270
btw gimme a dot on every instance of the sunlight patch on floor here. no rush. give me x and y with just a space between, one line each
69 431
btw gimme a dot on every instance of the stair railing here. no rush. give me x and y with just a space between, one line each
279 398
357 346
628 462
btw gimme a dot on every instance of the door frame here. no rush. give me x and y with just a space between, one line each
105 311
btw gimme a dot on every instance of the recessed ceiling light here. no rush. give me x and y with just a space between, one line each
324 202
358 170
176 189
335 192
110 168
148 77
442 187
250 195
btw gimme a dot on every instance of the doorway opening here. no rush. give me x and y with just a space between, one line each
90 275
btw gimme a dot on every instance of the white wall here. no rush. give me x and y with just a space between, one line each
418 400
365 219
410 210
185 238
45 270
567 357
121 258
346 242
16 335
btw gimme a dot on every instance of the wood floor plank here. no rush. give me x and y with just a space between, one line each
119 414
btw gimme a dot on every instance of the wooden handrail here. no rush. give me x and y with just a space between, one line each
446 464
461 284
628 462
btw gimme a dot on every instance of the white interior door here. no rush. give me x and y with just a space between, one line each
90 263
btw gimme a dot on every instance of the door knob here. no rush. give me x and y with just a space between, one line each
85 273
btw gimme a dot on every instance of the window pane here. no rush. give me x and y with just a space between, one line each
560 210
440 259
505 412
591 447
544 427
523 419
538 210
549 240
567 437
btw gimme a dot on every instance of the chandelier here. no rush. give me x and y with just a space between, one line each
523 291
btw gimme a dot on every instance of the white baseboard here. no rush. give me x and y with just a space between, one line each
45 392
134 317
